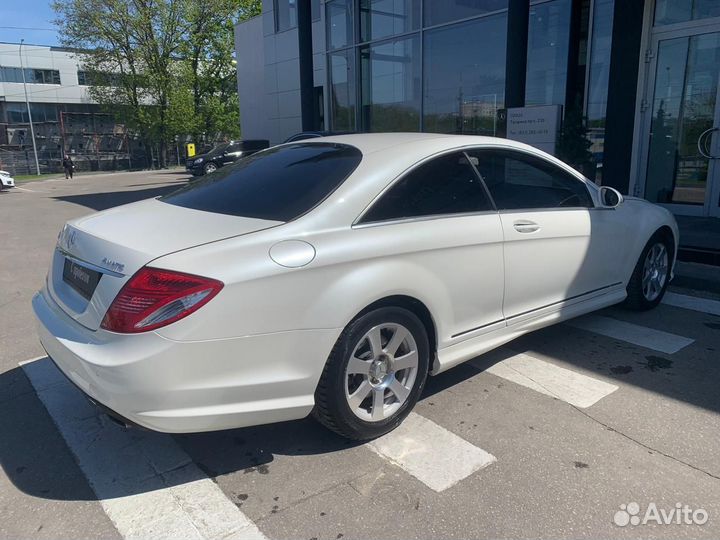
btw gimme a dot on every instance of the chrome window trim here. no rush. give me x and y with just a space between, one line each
402 175
592 193
465 148
431 217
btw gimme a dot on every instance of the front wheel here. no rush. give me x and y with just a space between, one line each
651 275
374 375
210 168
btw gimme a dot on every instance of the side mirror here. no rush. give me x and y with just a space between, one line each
610 197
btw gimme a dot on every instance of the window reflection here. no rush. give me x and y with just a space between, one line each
598 76
442 11
339 23
548 38
675 11
391 85
285 14
383 18
464 91
342 90
683 107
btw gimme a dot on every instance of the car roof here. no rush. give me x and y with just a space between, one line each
370 143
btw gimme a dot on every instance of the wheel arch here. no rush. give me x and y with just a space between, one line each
666 232
417 308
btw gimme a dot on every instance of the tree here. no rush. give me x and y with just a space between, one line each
208 51
163 66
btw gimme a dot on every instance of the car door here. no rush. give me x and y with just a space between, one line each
232 153
451 234
552 253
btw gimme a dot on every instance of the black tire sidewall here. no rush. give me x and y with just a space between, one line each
636 298
337 404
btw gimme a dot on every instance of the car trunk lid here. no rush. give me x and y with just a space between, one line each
97 254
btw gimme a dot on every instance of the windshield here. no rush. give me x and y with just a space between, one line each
279 184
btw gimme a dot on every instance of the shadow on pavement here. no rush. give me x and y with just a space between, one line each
33 454
690 378
103 201
38 462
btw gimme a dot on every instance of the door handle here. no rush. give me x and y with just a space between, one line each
525 226
703 144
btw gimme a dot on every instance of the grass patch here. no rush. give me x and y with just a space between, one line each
35 177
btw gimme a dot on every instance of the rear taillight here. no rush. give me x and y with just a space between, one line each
154 298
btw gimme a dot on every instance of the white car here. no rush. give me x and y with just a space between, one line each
333 275
6 181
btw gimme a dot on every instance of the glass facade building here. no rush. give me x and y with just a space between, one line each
440 66
635 83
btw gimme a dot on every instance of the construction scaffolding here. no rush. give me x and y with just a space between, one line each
94 140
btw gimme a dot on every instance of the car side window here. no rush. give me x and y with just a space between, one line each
519 181
444 185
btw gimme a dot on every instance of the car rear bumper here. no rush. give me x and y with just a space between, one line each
188 386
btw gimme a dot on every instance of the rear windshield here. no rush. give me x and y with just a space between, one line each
279 184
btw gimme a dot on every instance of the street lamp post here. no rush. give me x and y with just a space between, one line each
27 104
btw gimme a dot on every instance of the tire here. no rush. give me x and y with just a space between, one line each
339 402
645 291
210 168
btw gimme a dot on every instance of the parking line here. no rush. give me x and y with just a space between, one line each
694 303
431 453
147 485
649 338
564 384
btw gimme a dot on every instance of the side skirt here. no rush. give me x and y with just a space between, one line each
467 349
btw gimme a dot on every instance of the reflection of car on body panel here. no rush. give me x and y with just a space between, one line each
6 181
332 276
223 154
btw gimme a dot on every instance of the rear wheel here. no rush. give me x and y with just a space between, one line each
374 375
651 276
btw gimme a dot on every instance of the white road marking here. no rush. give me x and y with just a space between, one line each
694 303
632 333
28 190
564 384
431 453
148 486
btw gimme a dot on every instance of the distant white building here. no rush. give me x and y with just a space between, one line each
65 118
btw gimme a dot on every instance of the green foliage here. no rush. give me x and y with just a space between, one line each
164 67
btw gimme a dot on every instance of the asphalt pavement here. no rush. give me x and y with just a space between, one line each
603 427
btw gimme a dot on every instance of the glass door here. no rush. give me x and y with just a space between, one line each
683 142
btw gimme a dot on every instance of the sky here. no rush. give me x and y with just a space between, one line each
31 20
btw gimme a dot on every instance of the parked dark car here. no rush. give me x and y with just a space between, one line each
224 154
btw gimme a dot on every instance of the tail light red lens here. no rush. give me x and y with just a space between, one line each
154 298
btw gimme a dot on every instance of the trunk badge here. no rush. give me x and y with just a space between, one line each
113 265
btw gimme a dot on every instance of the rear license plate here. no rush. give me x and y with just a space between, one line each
82 279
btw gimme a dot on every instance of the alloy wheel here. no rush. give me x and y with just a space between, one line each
381 372
655 271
